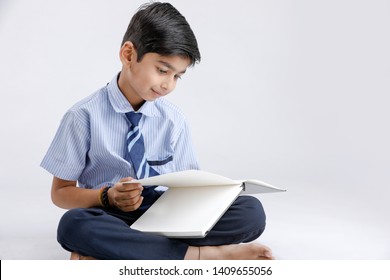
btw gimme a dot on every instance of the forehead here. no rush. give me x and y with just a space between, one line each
176 63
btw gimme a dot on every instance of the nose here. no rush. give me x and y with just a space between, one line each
168 85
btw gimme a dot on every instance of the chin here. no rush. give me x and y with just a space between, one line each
152 98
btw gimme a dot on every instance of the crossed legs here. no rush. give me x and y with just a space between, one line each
106 235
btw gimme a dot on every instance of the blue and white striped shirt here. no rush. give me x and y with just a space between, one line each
90 144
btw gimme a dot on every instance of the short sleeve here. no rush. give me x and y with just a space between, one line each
66 156
185 157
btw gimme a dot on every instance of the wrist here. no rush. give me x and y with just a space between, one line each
100 196
103 197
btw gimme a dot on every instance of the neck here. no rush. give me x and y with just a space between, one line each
135 101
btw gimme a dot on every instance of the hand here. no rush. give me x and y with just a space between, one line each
127 197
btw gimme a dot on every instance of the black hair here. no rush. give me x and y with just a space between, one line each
160 28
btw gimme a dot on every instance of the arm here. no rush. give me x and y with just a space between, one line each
65 194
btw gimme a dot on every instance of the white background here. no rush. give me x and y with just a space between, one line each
295 93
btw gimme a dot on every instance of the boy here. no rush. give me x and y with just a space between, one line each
124 131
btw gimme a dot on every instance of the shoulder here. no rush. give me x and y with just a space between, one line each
169 110
88 107
92 102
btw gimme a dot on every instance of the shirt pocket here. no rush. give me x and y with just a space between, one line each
162 164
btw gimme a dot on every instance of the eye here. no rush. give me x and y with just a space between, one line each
177 77
161 71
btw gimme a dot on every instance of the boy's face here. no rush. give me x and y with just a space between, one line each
153 77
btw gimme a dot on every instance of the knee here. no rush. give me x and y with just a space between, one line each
254 218
74 222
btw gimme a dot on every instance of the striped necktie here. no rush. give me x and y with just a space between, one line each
136 148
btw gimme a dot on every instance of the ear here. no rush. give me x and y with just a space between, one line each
128 54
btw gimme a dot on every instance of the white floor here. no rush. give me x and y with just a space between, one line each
302 225
328 225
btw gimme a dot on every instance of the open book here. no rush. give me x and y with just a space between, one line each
194 201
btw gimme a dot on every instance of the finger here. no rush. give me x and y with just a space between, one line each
124 187
118 198
133 207
129 203
127 179
129 195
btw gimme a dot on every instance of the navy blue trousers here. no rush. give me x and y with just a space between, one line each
105 233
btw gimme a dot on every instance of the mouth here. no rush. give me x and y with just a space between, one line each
157 93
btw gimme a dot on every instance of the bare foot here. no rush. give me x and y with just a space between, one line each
247 251
76 256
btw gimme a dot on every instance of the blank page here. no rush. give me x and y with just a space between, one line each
187 212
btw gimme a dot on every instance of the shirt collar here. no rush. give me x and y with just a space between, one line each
120 103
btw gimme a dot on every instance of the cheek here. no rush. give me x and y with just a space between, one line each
147 79
139 81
